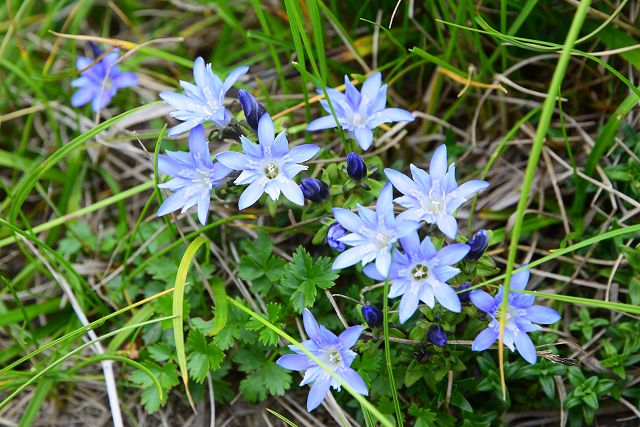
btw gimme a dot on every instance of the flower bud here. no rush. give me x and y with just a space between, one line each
253 110
315 190
335 232
356 167
463 292
95 49
437 336
478 244
372 315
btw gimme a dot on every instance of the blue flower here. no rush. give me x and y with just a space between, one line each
463 292
334 351
372 315
478 244
253 110
373 233
356 167
334 233
421 273
100 83
437 336
194 176
521 315
315 190
434 197
360 112
204 101
268 166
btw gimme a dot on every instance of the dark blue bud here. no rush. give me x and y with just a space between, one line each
356 167
335 232
464 292
372 315
315 190
437 336
253 110
478 244
95 49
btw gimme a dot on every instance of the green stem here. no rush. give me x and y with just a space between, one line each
532 166
387 349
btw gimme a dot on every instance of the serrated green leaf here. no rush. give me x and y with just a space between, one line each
160 352
203 356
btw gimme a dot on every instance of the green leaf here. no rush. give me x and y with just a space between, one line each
160 352
258 266
304 275
265 335
203 356
167 376
632 255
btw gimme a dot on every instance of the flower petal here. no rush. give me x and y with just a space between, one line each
411 244
448 225
291 190
349 257
354 380
483 301
303 152
519 280
485 339
446 296
311 326
408 305
350 336
438 165
326 122
372 272
203 207
383 262
234 76
295 362
233 160
453 253
318 391
348 219
401 182
541 314
384 206
125 79
461 194
364 137
173 203
198 147
266 131
252 193
370 87
82 96
182 127
525 347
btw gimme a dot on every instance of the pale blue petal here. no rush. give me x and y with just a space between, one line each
250 149
364 137
404 228
280 145
318 391
233 160
354 380
408 306
326 122
200 72
199 147
83 62
352 94
176 184
390 115
295 362
421 177
327 337
311 326
348 258
379 103
350 336
541 314
292 169
446 296
182 127
384 206
291 190
125 79
372 272
272 189
173 203
448 225
445 272
438 165
401 182
525 347
303 152
234 76
398 286
483 301
383 262
102 98
266 131
370 87
347 219
82 96
368 216
411 244
81 81
519 280
485 339
453 253
246 177
252 193
461 194
427 247
203 207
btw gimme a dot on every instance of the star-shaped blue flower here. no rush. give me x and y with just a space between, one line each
268 166
194 176
360 112
204 101
434 197
100 83
373 233
521 316
421 274
334 351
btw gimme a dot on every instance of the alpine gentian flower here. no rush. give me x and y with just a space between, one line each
463 292
194 175
204 101
421 273
253 110
315 190
334 233
435 196
359 112
334 351
356 167
372 315
268 166
437 336
520 317
373 233
100 83
478 244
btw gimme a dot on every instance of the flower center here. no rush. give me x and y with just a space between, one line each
358 119
335 359
211 108
382 240
203 178
420 272
435 202
271 171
